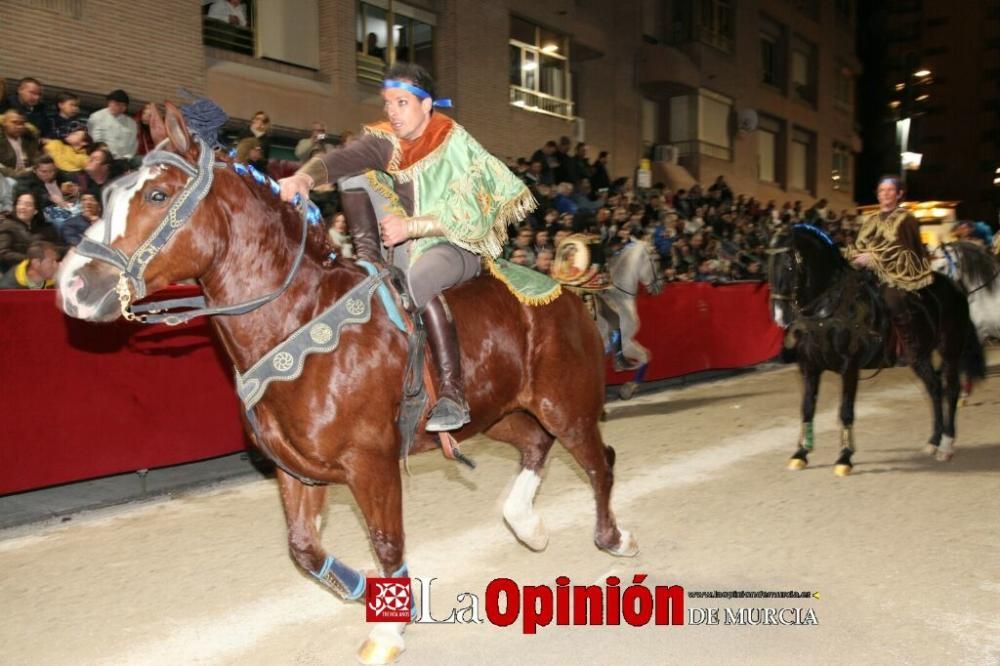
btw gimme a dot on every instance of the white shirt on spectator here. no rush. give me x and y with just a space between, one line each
119 132
221 10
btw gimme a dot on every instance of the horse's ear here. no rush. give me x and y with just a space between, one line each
156 127
177 130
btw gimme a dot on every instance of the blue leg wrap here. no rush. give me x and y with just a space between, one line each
342 579
640 373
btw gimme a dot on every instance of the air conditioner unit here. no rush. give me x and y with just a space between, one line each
747 120
666 153
579 130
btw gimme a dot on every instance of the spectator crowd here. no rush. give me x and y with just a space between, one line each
55 162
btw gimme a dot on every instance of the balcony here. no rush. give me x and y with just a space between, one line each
664 71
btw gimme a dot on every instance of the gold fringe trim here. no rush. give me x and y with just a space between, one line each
390 194
397 150
544 299
512 211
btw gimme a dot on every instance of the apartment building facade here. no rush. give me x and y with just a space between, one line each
760 91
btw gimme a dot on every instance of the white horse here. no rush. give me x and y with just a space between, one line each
617 316
978 271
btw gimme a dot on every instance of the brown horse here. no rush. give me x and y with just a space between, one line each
335 423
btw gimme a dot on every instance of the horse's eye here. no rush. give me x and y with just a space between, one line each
156 196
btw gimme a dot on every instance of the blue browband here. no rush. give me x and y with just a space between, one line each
444 102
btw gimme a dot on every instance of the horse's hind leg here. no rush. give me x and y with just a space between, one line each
583 440
951 389
525 432
303 505
924 368
848 393
810 389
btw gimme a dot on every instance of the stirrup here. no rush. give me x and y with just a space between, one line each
447 415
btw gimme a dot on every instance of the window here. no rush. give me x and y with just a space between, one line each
770 138
843 87
772 53
842 171
539 69
410 40
804 71
715 24
229 29
700 124
801 158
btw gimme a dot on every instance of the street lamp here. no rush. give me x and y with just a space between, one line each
912 94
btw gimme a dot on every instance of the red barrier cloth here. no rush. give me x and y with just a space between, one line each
81 400
697 326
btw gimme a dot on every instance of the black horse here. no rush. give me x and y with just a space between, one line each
837 320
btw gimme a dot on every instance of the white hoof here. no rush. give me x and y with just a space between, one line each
627 546
384 644
930 449
529 530
946 451
944 456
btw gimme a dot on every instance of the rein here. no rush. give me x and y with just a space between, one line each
132 269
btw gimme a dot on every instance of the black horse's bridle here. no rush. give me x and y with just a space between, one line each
131 283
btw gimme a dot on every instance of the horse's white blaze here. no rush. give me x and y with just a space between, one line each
519 510
116 215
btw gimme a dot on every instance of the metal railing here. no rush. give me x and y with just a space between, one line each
370 69
695 147
225 36
531 100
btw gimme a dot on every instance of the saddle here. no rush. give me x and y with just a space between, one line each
418 384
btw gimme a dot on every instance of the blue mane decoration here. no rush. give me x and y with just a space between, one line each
816 231
204 118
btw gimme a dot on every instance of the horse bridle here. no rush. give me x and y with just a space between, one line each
132 269
953 271
657 281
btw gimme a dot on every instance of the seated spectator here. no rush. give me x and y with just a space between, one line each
519 257
310 145
144 136
69 150
249 152
340 237
542 242
233 12
20 228
599 179
28 101
97 172
67 111
42 181
36 270
113 126
18 147
523 241
563 200
74 228
260 129
543 261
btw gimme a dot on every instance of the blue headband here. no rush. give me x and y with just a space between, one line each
419 92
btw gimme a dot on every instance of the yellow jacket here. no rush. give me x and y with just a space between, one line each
66 157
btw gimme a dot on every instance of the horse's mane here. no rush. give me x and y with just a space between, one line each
978 266
318 245
820 240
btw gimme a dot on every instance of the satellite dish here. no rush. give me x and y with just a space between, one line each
746 120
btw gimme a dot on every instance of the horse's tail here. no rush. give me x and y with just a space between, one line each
973 361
